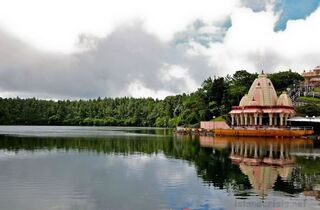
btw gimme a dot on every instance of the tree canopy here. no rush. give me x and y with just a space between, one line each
215 97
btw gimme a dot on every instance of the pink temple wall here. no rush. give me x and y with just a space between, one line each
208 125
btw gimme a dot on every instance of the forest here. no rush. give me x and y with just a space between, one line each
215 97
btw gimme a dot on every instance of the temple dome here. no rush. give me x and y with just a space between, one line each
262 92
253 103
244 100
285 172
284 100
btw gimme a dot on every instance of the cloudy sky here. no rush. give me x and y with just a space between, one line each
88 48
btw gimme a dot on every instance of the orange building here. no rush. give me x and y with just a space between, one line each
312 77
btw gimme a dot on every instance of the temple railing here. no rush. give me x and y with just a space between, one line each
265 127
300 127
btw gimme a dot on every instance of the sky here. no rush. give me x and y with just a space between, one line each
82 49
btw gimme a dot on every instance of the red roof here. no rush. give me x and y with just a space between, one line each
262 109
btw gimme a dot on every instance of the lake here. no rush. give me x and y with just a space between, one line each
47 167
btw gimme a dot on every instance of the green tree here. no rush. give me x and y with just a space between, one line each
284 79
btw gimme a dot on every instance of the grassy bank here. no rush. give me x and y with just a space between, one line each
309 99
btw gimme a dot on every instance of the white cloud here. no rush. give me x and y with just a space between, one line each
55 25
179 75
128 62
209 30
138 90
161 48
252 44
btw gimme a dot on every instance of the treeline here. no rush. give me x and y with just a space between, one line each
214 98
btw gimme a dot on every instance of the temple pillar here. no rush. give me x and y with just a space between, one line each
232 148
270 119
275 120
286 151
255 150
255 119
281 151
281 119
237 119
250 119
286 116
261 150
260 119
232 119
241 119
245 119
245 150
270 150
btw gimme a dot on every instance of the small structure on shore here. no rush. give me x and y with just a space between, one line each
262 106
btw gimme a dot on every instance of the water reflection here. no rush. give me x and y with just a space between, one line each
277 164
163 170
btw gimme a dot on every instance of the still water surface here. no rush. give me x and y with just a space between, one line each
135 168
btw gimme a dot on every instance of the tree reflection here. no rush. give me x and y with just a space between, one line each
278 164
232 163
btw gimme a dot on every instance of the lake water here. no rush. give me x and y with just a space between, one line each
145 168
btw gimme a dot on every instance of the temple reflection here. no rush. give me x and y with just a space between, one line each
261 160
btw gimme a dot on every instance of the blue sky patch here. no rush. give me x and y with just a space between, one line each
288 9
293 10
199 31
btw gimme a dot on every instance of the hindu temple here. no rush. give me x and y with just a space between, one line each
262 107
